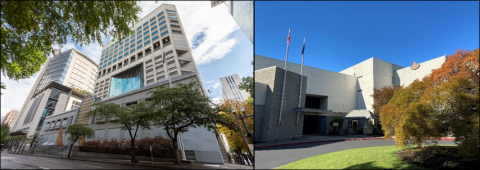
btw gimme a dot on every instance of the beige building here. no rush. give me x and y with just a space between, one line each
52 91
137 61
10 117
230 88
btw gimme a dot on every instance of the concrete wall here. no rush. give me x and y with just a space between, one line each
260 93
406 76
61 103
66 118
340 88
273 77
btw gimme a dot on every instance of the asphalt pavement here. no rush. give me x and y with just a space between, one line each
17 161
274 157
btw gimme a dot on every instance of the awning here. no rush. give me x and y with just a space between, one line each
359 114
319 112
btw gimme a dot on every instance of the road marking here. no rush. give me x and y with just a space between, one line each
52 160
91 166
17 161
42 167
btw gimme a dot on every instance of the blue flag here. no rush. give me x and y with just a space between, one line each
303 49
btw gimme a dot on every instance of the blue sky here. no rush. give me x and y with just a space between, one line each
342 34
219 48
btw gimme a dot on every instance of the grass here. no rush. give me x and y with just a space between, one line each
380 157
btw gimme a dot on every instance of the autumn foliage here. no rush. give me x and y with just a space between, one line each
445 102
234 137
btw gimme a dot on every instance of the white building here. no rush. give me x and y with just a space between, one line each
230 88
52 91
346 93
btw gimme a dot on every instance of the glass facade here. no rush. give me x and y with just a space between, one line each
126 81
50 106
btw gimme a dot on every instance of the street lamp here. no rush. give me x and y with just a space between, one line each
249 134
243 134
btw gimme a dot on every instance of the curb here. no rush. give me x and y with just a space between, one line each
336 140
76 158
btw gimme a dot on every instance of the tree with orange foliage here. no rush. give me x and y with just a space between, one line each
445 101
233 135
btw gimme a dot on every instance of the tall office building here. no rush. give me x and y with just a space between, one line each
52 91
230 88
10 117
137 61
242 13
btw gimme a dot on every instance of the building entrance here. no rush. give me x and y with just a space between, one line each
313 124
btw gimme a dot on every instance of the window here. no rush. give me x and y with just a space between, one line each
149 81
152 19
148 71
149 76
126 53
146 42
133 40
146 32
109 63
139 41
163 28
126 44
145 24
154 38
154 22
176 31
132 50
163 33
154 32
145 27
153 28
161 18
163 22
160 13
148 36
139 37
114 60
176 26
139 47
126 48
139 32
120 48
171 63
139 28
171 20
171 12
170 16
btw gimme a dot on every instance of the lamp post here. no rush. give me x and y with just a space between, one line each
250 135
243 134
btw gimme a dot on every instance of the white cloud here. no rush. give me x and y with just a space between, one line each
217 100
208 30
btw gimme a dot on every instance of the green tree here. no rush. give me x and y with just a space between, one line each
247 85
2 86
132 118
5 132
30 28
36 140
182 107
76 131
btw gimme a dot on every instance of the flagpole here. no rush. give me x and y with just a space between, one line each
284 79
301 81
170 81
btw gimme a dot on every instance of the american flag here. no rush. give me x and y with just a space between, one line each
288 38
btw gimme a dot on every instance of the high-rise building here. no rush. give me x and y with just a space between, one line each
242 13
137 61
53 91
10 117
230 88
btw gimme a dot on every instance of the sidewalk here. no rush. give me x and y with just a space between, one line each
162 165
324 138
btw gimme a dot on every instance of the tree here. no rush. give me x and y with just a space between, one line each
132 118
247 85
232 133
76 131
36 140
2 86
182 107
83 91
30 28
445 101
5 132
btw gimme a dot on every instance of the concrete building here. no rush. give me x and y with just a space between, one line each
328 94
53 92
242 13
230 88
136 61
10 117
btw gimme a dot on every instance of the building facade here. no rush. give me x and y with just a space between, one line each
242 13
137 61
230 88
329 94
10 117
53 92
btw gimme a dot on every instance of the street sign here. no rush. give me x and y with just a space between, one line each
150 147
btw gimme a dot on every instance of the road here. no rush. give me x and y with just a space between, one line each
269 158
15 161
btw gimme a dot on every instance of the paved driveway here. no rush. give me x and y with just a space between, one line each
274 157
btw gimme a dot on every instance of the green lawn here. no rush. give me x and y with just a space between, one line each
380 157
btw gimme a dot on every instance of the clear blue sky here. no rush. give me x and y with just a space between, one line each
342 34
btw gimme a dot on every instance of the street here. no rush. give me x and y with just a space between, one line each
269 158
16 161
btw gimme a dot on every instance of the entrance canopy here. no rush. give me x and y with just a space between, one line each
319 112
359 114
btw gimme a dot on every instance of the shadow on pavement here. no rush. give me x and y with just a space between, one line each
370 165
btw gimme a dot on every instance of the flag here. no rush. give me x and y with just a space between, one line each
208 91
163 56
288 38
303 49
